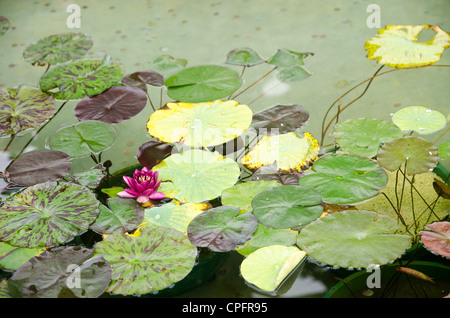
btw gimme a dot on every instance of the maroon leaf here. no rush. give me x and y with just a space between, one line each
270 173
115 105
153 152
38 167
140 79
280 119
438 239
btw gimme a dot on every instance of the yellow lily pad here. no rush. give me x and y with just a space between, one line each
200 124
289 151
398 46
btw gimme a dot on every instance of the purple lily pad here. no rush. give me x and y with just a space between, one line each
140 79
113 106
41 166
280 119
153 152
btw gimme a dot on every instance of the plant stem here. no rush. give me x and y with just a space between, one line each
442 135
150 100
264 93
253 84
9 142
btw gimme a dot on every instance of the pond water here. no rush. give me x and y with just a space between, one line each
203 32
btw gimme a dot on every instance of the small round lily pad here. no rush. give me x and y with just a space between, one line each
419 119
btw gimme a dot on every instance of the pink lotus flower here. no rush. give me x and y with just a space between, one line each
143 186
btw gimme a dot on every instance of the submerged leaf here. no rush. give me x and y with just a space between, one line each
420 119
398 46
280 119
4 25
287 58
243 57
141 79
271 173
293 73
165 64
23 108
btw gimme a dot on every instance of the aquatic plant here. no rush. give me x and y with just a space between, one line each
215 176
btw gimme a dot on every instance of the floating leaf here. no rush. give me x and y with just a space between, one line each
90 178
198 175
113 106
173 215
286 58
267 267
243 57
83 138
438 238
81 78
120 214
141 79
444 150
200 124
47 214
112 192
167 64
12 257
289 151
271 173
345 179
420 119
23 108
398 46
4 25
353 239
40 166
241 194
280 119
441 188
364 136
222 228
266 236
287 206
58 48
419 154
293 74
202 83
153 152
64 272
152 259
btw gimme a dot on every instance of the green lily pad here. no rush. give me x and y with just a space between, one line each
444 150
47 214
355 239
420 119
83 138
419 154
266 236
293 74
222 228
287 58
200 124
398 46
23 108
40 166
90 178
280 119
12 257
152 259
81 78
287 206
289 151
4 25
267 267
244 57
345 179
63 272
202 83
58 48
120 214
364 136
241 194
166 64
173 215
197 175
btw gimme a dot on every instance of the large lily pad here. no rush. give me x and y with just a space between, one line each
437 238
419 119
63 272
364 136
280 119
398 46
152 259
120 214
40 166
113 106
289 151
418 154
173 215
83 138
197 175
202 83
241 194
47 214
23 108
353 239
287 206
267 267
222 228
81 78
153 152
345 179
200 124
58 48
244 57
